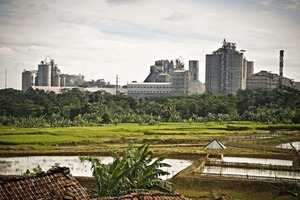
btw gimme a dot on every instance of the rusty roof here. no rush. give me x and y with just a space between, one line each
148 196
56 183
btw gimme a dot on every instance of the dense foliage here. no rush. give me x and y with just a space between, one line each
77 108
131 172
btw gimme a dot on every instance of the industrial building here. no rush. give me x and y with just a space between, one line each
227 70
297 85
168 78
264 79
268 80
48 74
48 77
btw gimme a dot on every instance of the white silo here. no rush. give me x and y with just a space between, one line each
62 80
27 79
44 74
56 80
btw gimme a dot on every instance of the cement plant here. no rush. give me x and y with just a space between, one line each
227 71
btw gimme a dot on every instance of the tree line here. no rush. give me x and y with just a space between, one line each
38 108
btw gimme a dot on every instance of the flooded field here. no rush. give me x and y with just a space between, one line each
265 161
296 144
262 173
19 165
251 172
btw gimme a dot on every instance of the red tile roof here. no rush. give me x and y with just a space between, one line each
57 183
148 196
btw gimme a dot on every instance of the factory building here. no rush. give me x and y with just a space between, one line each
227 70
297 85
168 78
59 90
264 79
49 75
268 80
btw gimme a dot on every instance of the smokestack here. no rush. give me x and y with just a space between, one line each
281 52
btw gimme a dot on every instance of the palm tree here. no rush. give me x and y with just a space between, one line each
132 171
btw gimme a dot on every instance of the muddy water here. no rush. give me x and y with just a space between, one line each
19 165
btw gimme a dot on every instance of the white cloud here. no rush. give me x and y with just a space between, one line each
266 2
293 5
5 51
177 16
100 39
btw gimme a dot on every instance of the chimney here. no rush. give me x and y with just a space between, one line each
281 52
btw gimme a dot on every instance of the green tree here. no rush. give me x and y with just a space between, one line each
132 171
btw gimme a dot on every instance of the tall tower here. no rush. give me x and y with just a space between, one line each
194 69
44 74
281 54
28 79
226 70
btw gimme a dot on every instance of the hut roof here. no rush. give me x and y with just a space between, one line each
215 144
56 183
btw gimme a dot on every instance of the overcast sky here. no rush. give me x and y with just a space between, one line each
104 38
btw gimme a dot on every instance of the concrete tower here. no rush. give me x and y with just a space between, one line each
44 74
281 54
194 69
226 70
28 79
196 87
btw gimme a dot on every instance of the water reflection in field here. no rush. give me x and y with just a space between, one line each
19 165
288 146
251 172
265 161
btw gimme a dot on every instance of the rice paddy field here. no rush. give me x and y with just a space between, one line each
188 138
174 140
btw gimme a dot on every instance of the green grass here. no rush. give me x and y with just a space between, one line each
166 138
97 134
247 195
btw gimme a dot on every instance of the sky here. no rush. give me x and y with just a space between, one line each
104 38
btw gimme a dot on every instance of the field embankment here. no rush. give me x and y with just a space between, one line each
174 140
243 138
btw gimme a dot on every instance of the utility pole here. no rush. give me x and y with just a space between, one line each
5 78
117 84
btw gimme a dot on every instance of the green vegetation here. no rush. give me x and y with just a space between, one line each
76 108
291 190
132 172
166 138
35 170
251 123
103 134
